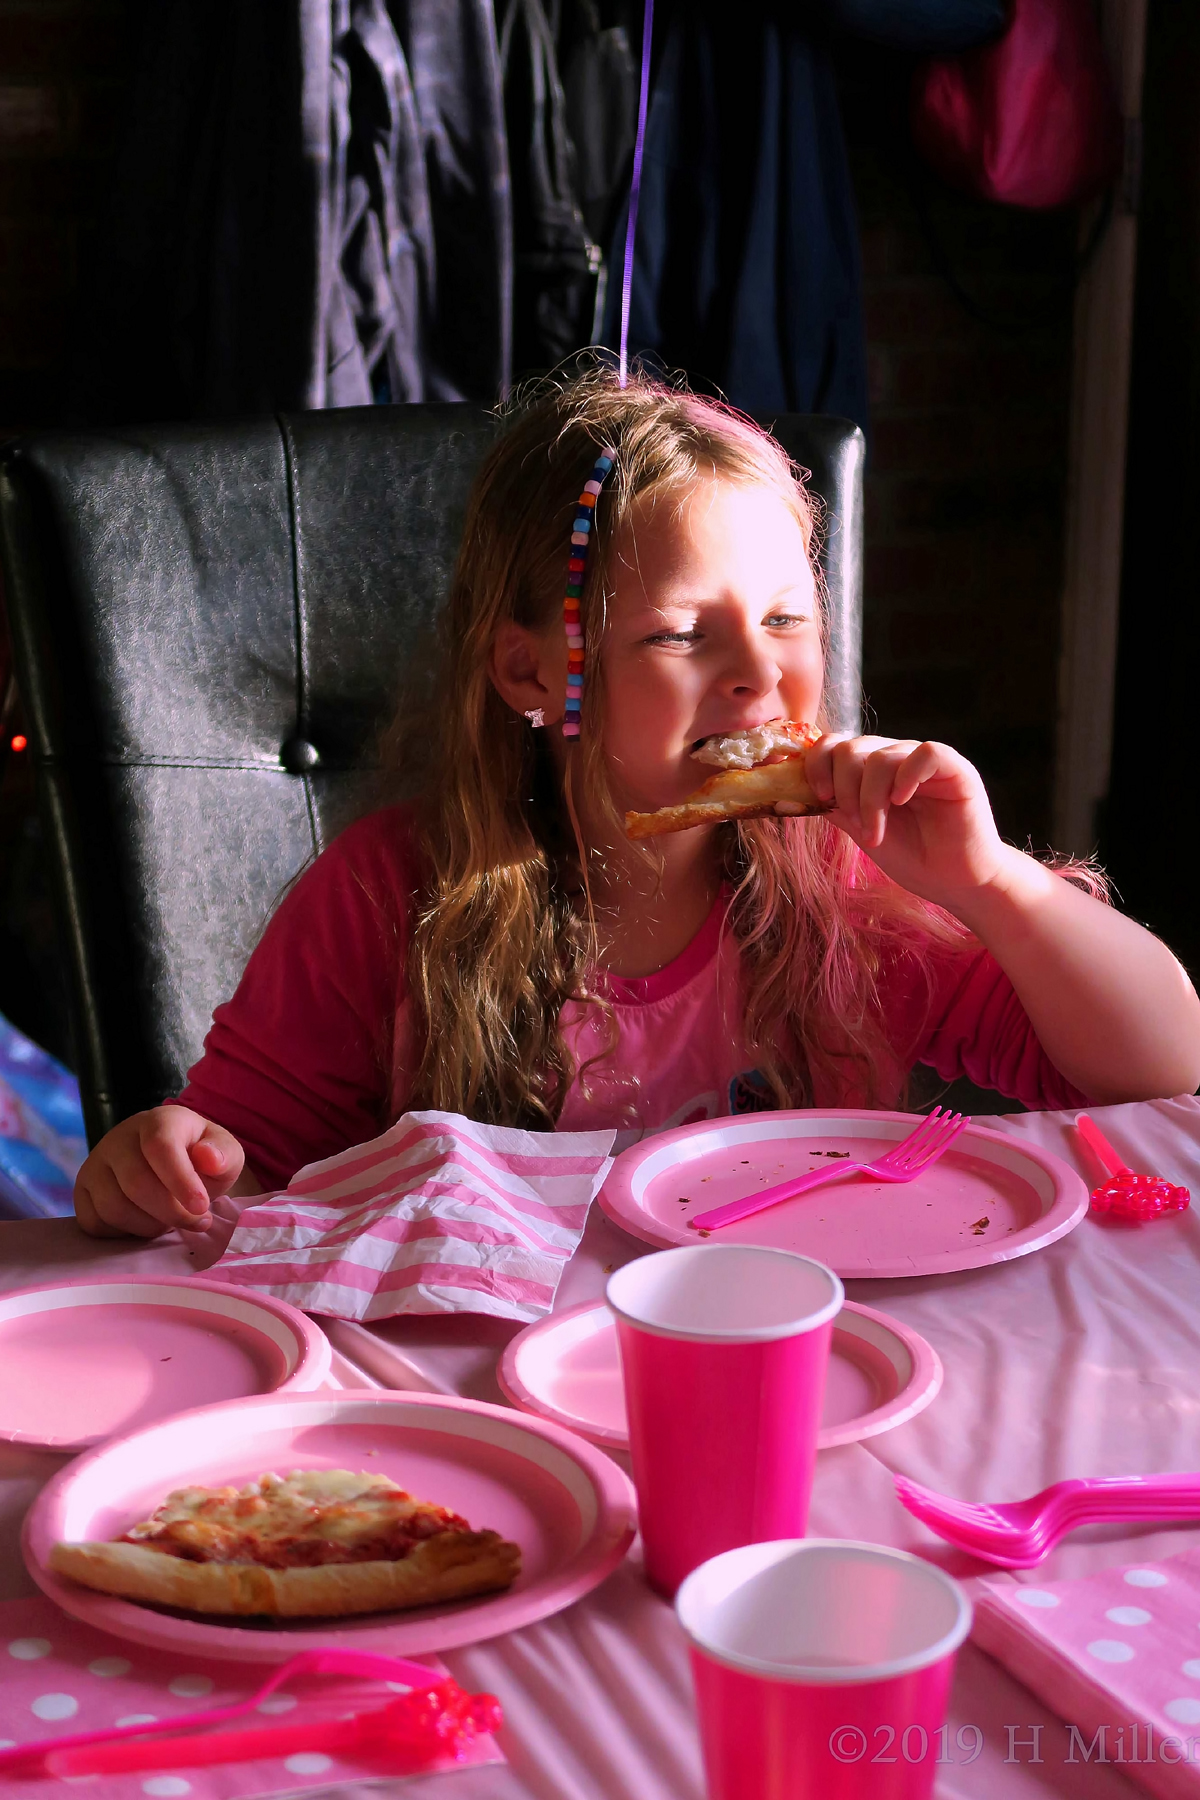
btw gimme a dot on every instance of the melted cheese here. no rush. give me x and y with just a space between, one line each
746 749
309 1516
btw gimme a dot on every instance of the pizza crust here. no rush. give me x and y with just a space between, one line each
452 1565
733 794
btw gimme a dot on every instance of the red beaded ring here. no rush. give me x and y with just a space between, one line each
576 571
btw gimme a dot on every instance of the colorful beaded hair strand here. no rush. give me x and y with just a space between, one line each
581 533
582 529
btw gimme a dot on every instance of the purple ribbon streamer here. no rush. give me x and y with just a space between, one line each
635 188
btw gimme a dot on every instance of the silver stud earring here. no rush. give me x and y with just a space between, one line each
537 718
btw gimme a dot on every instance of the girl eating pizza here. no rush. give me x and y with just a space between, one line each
505 949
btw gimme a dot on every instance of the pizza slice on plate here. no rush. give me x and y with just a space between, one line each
318 1543
757 770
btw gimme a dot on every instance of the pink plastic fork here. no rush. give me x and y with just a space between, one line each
931 1140
1019 1534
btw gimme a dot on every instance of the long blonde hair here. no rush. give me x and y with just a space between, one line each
502 941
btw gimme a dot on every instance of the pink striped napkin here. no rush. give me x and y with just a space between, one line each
1117 1657
437 1215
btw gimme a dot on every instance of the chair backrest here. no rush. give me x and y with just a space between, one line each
210 623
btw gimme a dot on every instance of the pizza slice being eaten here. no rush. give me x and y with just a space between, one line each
318 1543
758 769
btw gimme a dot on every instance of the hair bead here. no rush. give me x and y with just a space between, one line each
576 575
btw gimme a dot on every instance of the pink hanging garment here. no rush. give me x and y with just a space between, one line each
1028 120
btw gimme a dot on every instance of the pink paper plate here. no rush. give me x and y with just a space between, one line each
566 1368
84 1360
991 1198
568 1506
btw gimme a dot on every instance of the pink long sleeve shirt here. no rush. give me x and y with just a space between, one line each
304 1060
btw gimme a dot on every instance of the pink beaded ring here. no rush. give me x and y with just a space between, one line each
576 571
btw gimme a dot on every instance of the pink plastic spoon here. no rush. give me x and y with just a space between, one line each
310 1662
1124 1195
411 1733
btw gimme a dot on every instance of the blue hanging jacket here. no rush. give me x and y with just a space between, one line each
746 272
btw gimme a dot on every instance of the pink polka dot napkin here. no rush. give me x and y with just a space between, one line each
1117 1657
58 1676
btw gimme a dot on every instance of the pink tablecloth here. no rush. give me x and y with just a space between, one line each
1079 1360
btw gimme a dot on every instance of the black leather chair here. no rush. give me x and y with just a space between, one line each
210 623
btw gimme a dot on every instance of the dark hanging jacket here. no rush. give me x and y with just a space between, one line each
311 209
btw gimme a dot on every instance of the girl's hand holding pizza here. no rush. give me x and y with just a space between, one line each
919 810
1109 1003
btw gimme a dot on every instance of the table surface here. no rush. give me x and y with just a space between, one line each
1077 1360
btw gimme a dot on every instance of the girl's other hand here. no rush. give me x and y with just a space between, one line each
154 1172
1112 1009
919 810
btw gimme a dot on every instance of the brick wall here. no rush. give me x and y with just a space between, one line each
64 66
966 476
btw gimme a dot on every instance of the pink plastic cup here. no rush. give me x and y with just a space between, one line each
723 1351
822 1669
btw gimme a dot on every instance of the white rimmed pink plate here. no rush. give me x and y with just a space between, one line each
567 1504
566 1368
83 1360
991 1197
